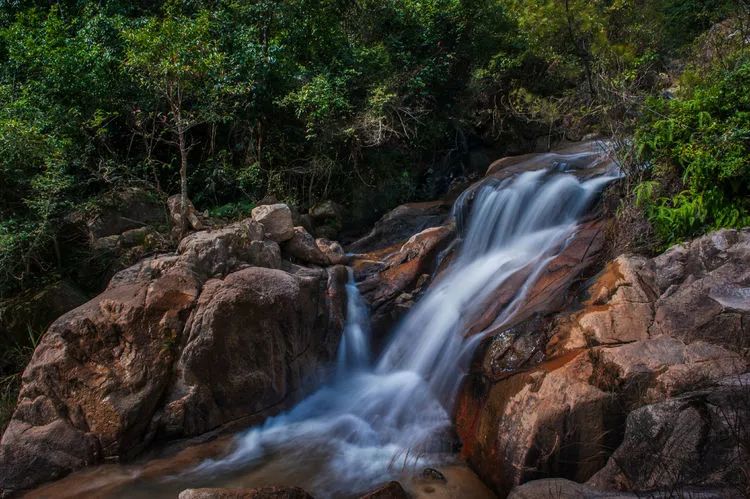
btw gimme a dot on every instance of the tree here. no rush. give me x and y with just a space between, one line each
177 61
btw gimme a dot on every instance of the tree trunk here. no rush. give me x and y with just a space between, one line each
183 181
182 144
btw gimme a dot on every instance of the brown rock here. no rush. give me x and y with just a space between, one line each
265 327
217 252
276 220
302 247
647 330
139 360
391 490
398 273
174 203
696 440
260 493
537 424
332 250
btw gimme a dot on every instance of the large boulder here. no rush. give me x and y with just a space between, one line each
270 329
276 220
645 331
138 362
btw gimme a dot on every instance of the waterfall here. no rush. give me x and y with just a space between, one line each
375 418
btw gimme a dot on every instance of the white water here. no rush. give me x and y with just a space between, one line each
375 419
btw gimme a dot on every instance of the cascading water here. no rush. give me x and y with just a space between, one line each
381 416
374 419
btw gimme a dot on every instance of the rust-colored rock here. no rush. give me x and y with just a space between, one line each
646 331
396 276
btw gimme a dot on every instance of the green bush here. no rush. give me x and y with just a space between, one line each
697 146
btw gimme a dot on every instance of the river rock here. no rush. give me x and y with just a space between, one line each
303 247
270 329
645 332
139 361
276 220
393 279
693 441
259 493
391 490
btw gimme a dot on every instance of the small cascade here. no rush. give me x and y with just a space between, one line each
354 350
375 418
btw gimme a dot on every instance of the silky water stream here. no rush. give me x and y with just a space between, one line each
381 416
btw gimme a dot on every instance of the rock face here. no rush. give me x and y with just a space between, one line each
276 220
138 362
646 331
400 224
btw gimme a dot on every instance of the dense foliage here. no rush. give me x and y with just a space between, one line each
697 149
368 103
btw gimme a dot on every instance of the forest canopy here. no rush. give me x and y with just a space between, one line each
368 103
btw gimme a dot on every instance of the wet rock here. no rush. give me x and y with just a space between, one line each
303 247
398 273
391 490
547 422
259 493
174 204
276 220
